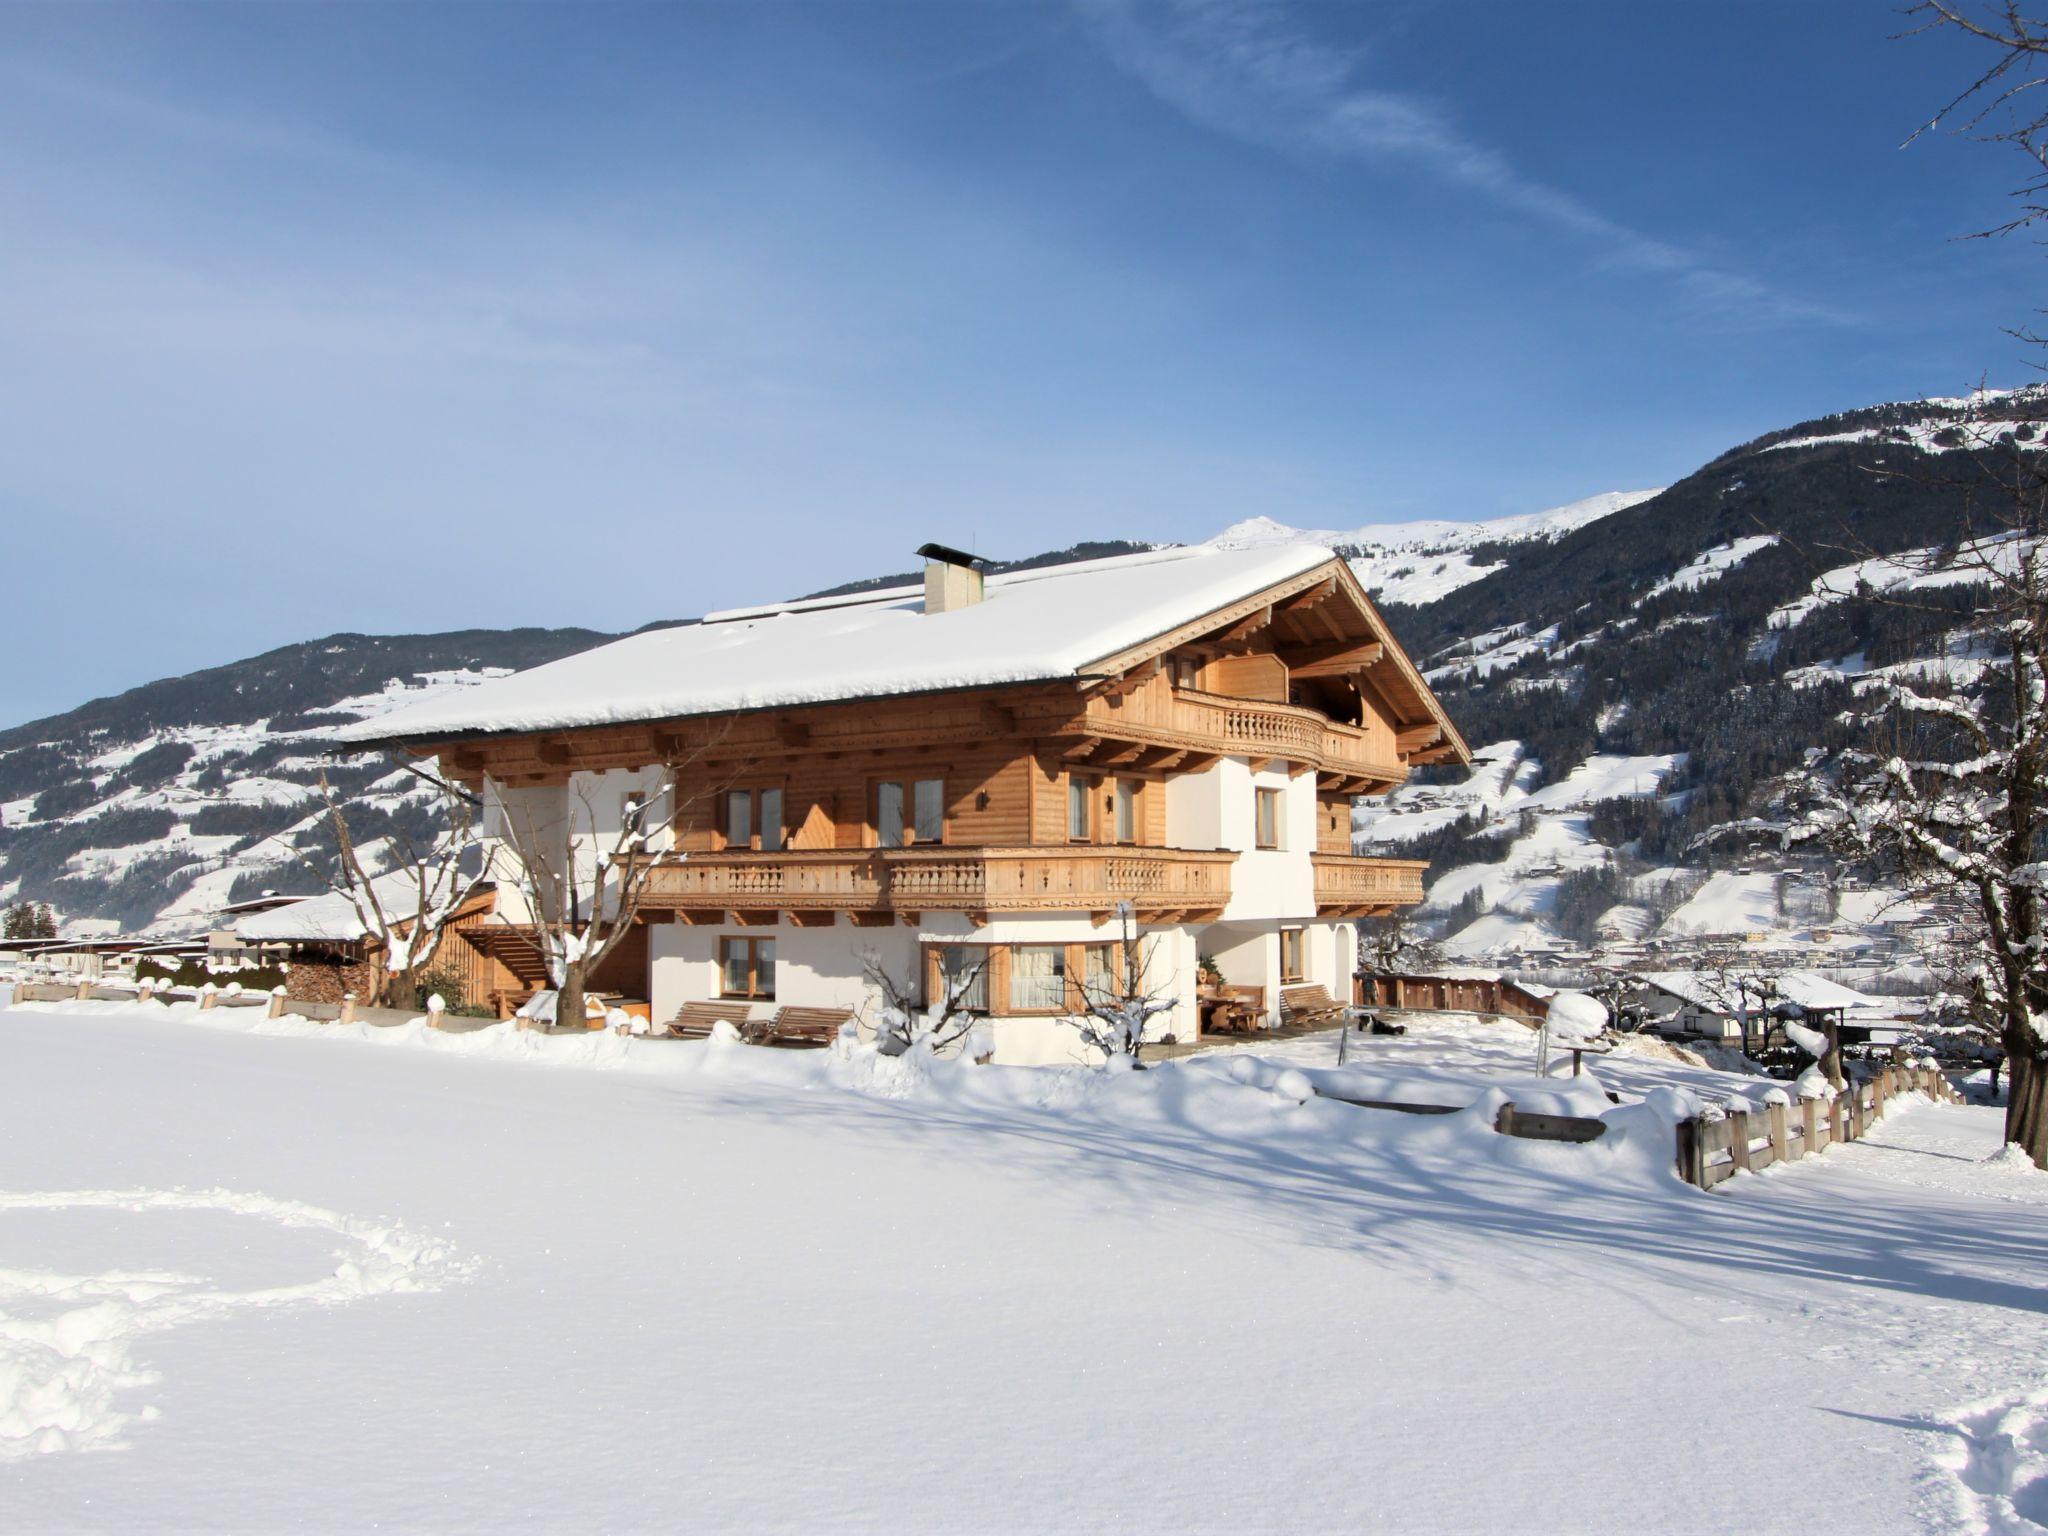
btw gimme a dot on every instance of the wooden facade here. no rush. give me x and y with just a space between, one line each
1037 796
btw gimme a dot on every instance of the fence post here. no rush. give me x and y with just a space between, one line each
348 1007
83 992
1781 1146
1837 1121
1809 1118
276 1003
1738 1139
208 996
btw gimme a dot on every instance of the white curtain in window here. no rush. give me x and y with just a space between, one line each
764 968
1100 978
739 818
1038 976
771 819
1126 811
958 960
1077 809
931 810
735 969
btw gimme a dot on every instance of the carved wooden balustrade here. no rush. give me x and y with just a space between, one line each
1161 884
1181 723
1350 886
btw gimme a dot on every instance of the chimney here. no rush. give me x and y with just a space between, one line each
952 578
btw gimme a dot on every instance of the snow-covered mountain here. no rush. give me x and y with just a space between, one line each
1419 562
155 807
1646 679
1645 665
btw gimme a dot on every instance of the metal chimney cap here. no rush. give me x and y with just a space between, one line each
948 556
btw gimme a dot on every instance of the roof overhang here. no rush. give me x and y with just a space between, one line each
1325 612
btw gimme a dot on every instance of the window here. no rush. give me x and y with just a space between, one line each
1291 968
960 961
1080 825
753 818
1187 672
925 800
1035 979
746 967
1266 832
930 798
1038 978
1099 979
1127 810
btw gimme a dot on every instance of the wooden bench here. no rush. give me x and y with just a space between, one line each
804 1026
1303 1006
693 1021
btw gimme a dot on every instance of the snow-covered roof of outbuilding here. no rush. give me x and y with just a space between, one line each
1035 625
331 917
1802 987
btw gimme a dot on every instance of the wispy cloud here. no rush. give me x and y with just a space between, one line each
1243 67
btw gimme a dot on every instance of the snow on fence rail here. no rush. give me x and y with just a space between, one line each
348 1012
1715 1147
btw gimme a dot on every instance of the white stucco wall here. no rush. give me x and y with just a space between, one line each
587 814
825 968
1217 808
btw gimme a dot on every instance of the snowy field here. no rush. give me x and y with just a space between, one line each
270 1276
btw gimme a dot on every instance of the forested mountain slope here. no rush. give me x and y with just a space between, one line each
1641 666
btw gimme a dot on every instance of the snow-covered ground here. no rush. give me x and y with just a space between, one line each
260 1275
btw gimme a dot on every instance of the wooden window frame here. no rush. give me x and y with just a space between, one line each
909 779
721 821
1085 784
1300 937
1264 795
998 972
752 943
1138 809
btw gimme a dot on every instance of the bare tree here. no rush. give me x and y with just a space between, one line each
1393 945
1952 783
2003 104
584 900
1739 987
1117 1008
903 1023
402 902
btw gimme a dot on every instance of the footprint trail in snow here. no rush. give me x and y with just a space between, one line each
68 1343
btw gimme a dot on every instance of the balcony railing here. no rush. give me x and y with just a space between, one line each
1242 728
1155 881
1346 883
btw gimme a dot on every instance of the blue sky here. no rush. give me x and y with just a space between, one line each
399 318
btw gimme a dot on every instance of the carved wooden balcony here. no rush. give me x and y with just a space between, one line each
1350 886
877 885
1175 728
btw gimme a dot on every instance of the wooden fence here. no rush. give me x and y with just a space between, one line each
59 992
1711 1151
1449 994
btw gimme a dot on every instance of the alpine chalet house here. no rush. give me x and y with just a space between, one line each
986 777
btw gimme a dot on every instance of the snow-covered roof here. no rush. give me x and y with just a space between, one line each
1805 988
331 918
1031 626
